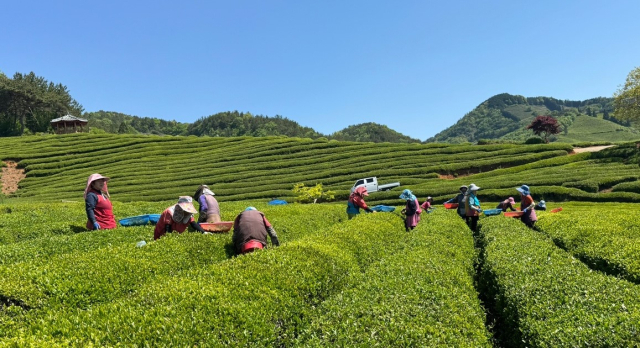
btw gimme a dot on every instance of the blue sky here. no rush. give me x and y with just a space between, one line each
416 66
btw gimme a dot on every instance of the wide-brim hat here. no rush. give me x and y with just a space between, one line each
511 200
406 194
524 189
473 187
95 177
186 203
463 187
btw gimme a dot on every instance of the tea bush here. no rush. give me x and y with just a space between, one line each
423 296
544 297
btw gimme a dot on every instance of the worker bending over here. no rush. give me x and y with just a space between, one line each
250 230
176 218
508 203
209 207
356 201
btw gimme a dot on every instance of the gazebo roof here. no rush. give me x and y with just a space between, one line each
68 118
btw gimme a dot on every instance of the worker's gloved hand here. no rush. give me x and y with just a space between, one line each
525 210
205 232
96 226
275 241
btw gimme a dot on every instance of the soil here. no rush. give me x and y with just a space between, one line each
10 178
590 149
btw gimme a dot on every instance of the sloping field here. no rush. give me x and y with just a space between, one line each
153 168
333 282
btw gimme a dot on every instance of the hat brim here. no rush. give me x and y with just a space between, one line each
105 178
188 207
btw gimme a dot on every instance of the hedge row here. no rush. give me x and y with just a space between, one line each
422 297
543 297
262 299
93 270
605 237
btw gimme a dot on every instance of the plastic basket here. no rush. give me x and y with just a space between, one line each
217 227
451 205
139 220
514 214
556 210
491 212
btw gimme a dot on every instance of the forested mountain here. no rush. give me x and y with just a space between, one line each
505 116
29 102
115 122
372 132
234 123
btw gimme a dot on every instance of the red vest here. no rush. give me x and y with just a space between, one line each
103 212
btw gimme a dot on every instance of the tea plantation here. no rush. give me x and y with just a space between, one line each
154 168
572 281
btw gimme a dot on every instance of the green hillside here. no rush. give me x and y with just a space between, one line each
154 168
506 116
372 132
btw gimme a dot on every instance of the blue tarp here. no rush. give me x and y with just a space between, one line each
490 212
277 202
383 208
140 220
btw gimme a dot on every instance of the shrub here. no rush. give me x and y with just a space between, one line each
544 297
534 140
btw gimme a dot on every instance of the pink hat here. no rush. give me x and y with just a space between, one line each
511 200
94 177
186 203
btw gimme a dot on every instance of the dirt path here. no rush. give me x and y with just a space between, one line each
10 178
590 148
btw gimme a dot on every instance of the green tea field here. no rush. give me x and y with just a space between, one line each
573 281
154 168
332 282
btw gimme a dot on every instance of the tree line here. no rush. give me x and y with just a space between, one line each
29 102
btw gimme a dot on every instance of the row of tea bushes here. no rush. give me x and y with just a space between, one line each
58 228
158 168
544 297
261 299
423 296
605 236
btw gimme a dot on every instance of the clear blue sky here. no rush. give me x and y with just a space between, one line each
416 66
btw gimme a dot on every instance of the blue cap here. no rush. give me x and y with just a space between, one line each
250 208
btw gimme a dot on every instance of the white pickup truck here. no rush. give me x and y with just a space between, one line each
372 185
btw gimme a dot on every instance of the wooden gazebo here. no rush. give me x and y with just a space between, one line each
69 124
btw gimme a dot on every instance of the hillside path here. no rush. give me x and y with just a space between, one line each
10 178
591 148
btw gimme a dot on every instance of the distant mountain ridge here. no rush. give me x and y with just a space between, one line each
234 123
505 116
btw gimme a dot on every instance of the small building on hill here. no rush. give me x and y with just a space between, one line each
69 124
